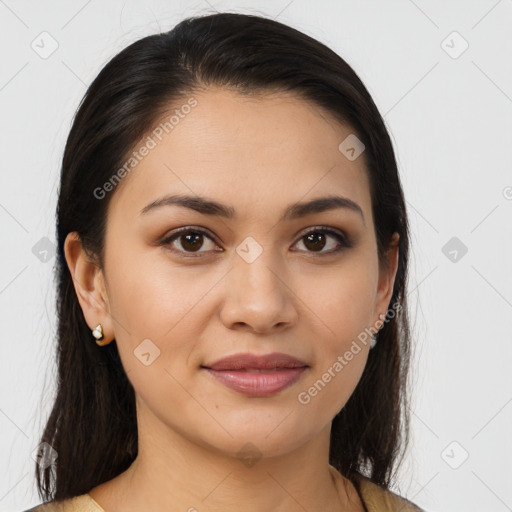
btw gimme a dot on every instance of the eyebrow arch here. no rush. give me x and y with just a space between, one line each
292 212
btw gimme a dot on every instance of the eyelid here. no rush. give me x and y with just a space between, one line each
322 228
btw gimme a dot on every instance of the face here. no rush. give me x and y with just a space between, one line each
185 288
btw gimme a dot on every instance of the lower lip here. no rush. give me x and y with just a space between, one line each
258 384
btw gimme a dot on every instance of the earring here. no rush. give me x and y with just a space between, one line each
97 332
373 341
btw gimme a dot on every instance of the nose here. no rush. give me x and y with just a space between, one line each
257 298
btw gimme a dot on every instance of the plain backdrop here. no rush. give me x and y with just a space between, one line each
440 73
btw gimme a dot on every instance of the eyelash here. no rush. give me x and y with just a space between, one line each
345 242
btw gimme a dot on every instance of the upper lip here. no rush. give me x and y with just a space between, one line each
267 361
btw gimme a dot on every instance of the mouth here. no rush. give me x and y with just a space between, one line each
257 376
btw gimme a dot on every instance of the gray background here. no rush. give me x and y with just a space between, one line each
449 111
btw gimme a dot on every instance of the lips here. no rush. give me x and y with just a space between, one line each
257 376
254 362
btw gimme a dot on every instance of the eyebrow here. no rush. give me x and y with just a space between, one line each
294 211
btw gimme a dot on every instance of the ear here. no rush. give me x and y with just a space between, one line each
387 273
89 284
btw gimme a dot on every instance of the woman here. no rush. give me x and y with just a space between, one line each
233 250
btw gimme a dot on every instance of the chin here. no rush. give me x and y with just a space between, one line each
260 439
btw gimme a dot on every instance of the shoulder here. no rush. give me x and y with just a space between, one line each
378 499
82 503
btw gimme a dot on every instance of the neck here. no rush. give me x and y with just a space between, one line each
172 472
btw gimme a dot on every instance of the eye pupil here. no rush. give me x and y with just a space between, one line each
194 245
315 237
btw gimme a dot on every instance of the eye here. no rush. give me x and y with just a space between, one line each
191 241
315 240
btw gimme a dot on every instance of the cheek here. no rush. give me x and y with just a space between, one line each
328 390
151 296
155 307
339 360
345 307
344 303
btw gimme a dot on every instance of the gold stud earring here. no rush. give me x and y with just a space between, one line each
97 332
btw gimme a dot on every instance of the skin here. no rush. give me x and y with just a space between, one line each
247 151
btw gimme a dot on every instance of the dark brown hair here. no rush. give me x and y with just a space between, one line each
92 425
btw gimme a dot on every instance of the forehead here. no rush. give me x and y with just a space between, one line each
265 149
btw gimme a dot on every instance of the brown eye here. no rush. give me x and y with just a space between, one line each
316 240
191 241
188 241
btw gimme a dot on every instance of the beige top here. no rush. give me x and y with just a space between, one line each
374 498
